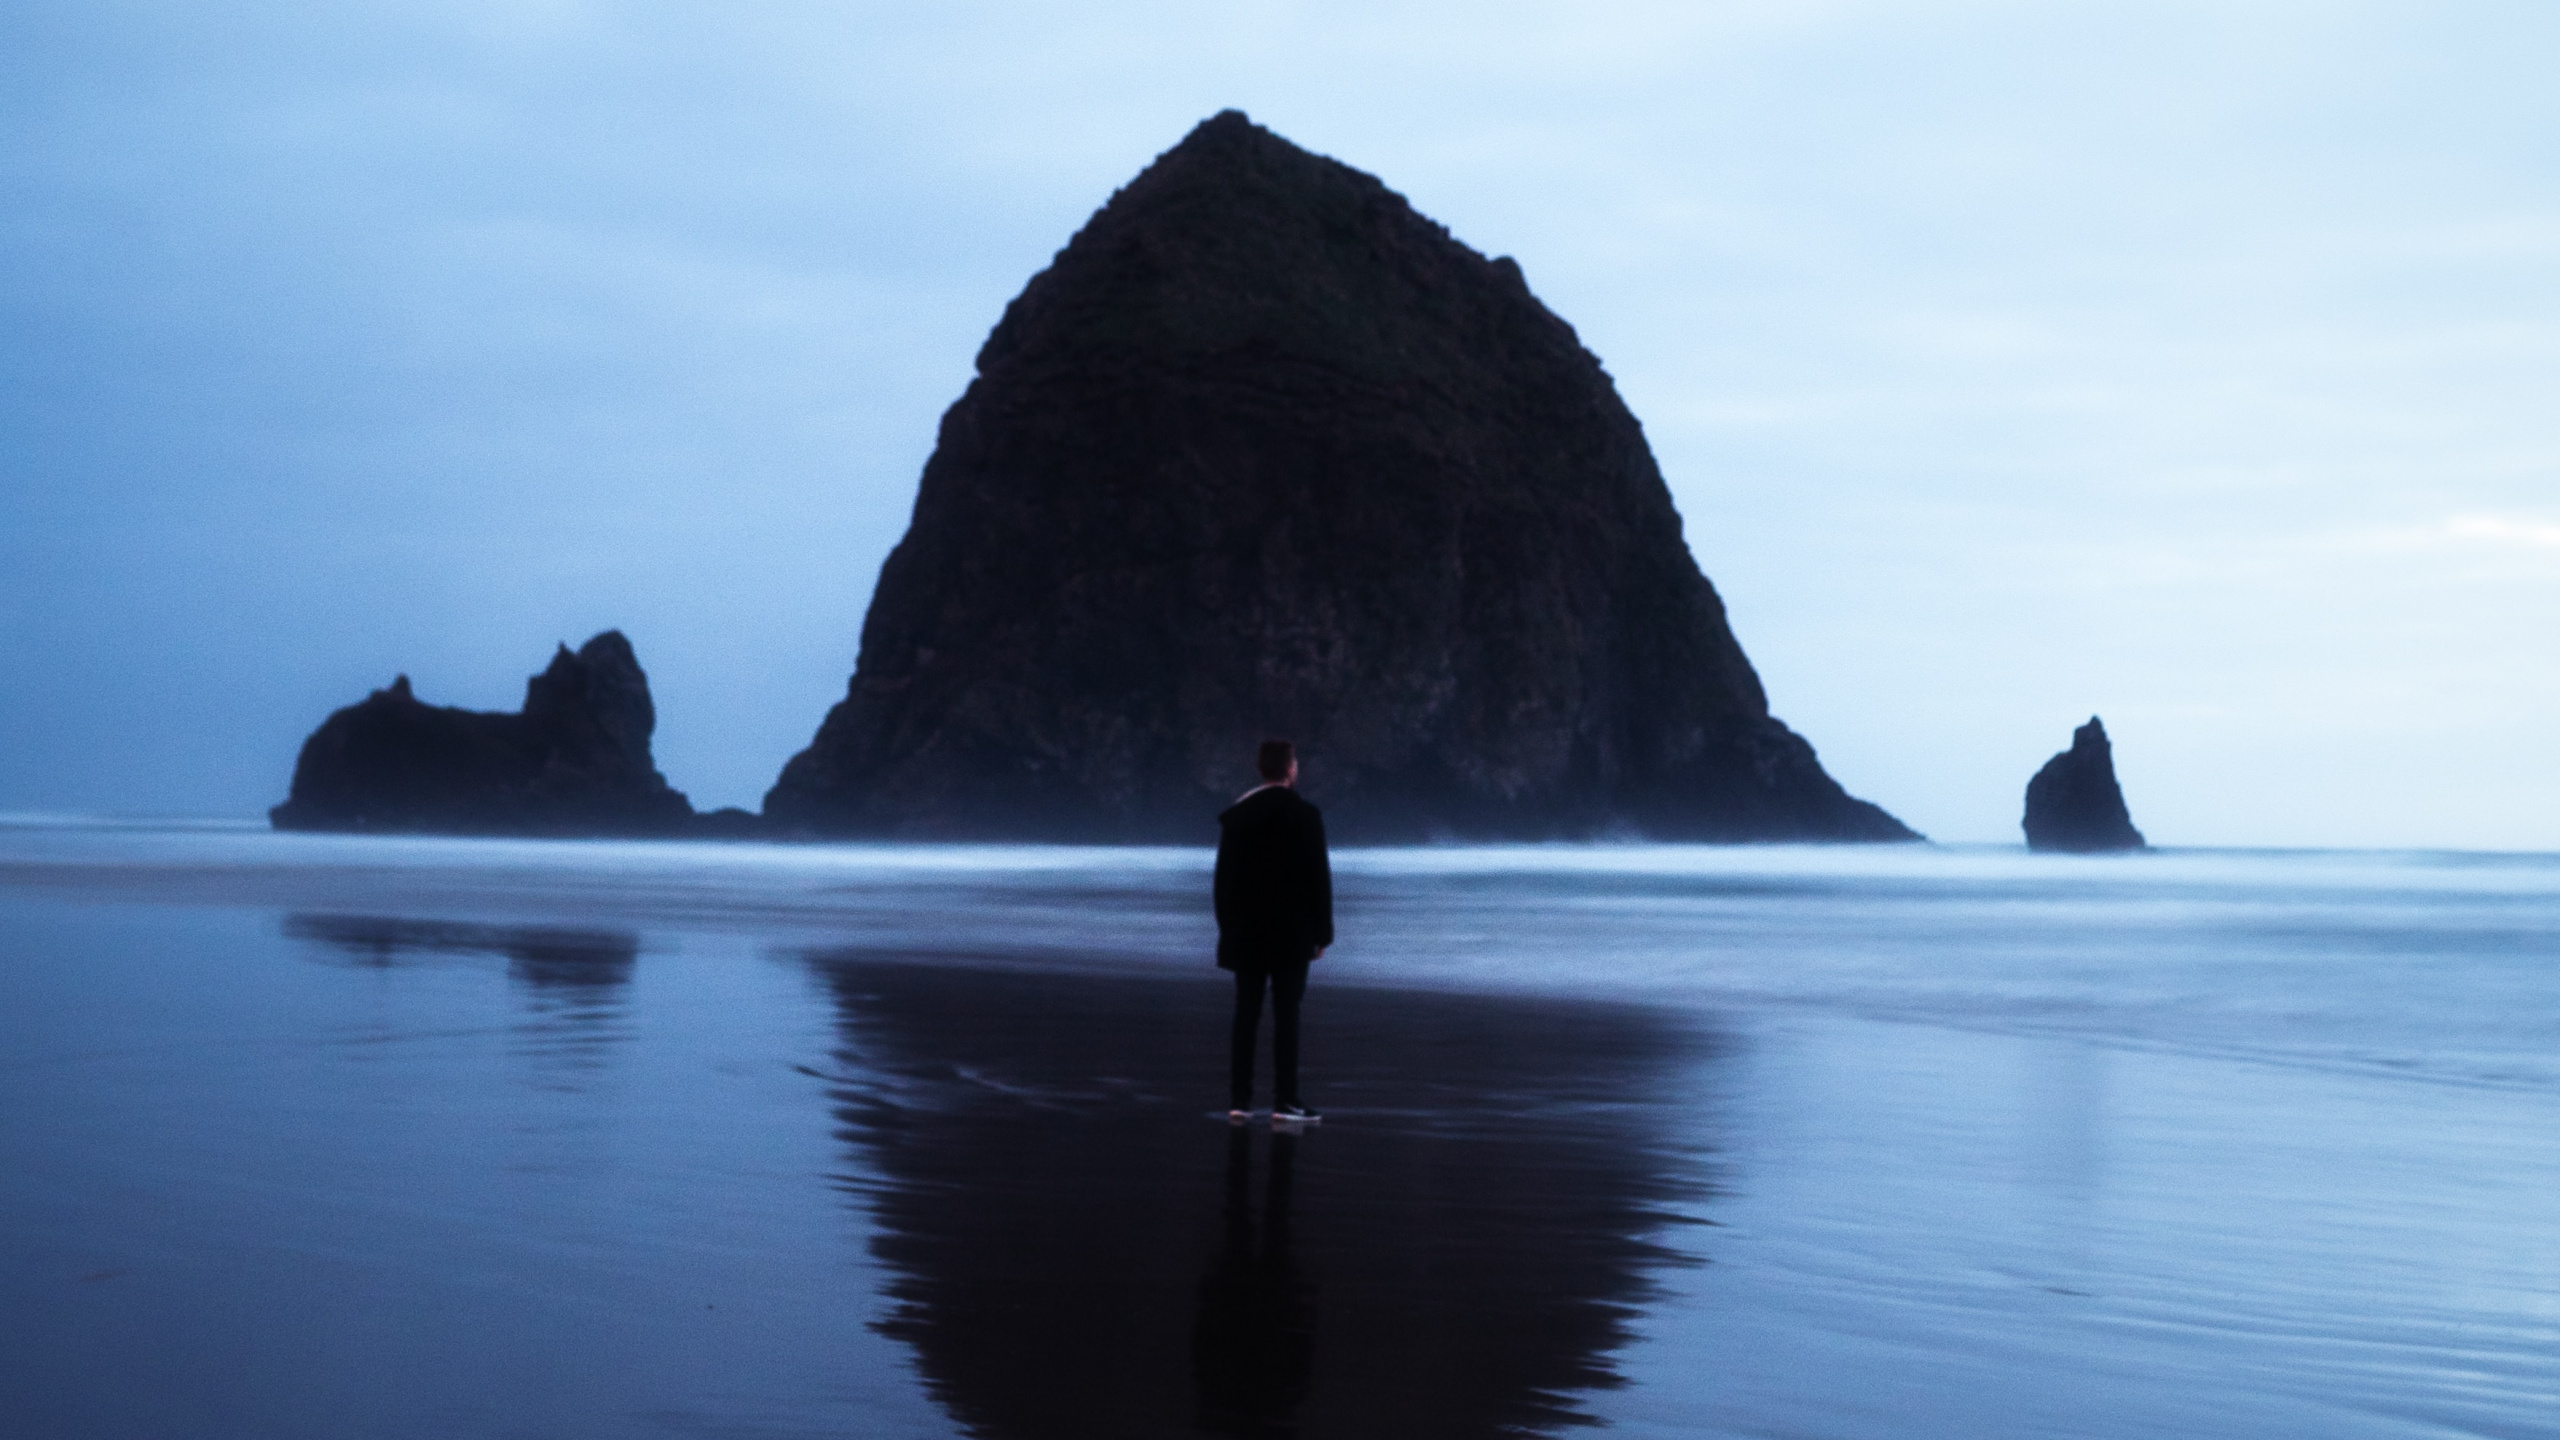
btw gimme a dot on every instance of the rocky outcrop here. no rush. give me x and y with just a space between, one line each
2073 803
574 761
1265 452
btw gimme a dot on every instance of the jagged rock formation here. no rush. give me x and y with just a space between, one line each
2073 803
574 761
1265 452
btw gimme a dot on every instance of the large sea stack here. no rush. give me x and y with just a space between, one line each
574 761
1265 452
2074 803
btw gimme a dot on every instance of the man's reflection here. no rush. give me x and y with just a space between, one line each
1253 1344
1080 1244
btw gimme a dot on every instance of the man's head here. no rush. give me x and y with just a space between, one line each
1276 762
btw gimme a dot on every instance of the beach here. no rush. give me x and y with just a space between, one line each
328 1136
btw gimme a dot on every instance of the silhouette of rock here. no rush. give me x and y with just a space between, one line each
1265 452
574 761
2073 803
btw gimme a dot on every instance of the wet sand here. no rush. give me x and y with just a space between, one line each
1455 1251
465 1170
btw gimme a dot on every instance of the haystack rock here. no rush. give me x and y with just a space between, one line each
1265 452
574 761
2073 803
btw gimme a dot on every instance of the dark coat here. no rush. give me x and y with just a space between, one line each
1274 886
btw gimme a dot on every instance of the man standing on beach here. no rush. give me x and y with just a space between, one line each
1274 896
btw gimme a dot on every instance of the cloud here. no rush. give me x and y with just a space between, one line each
2448 536
2505 530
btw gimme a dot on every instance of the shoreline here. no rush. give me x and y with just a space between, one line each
1716 1148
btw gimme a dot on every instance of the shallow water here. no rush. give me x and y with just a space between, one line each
329 1136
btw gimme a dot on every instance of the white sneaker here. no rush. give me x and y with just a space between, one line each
1294 1115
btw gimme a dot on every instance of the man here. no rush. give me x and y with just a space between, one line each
1274 895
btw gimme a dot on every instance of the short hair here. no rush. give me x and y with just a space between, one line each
1273 760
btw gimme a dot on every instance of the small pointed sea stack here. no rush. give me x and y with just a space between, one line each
1264 452
2073 803
574 761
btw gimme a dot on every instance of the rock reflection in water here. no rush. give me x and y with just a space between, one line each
572 979
542 956
1082 1246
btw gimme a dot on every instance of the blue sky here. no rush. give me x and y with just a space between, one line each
2194 365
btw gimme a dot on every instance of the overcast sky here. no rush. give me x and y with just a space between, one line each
2197 365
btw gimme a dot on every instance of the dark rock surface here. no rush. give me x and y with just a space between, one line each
574 761
1265 452
2073 803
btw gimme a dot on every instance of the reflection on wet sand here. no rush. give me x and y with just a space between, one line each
542 956
572 979
1083 1246
1253 1342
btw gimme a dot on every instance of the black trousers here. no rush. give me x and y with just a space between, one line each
1288 985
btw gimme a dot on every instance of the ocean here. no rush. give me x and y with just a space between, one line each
340 1136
